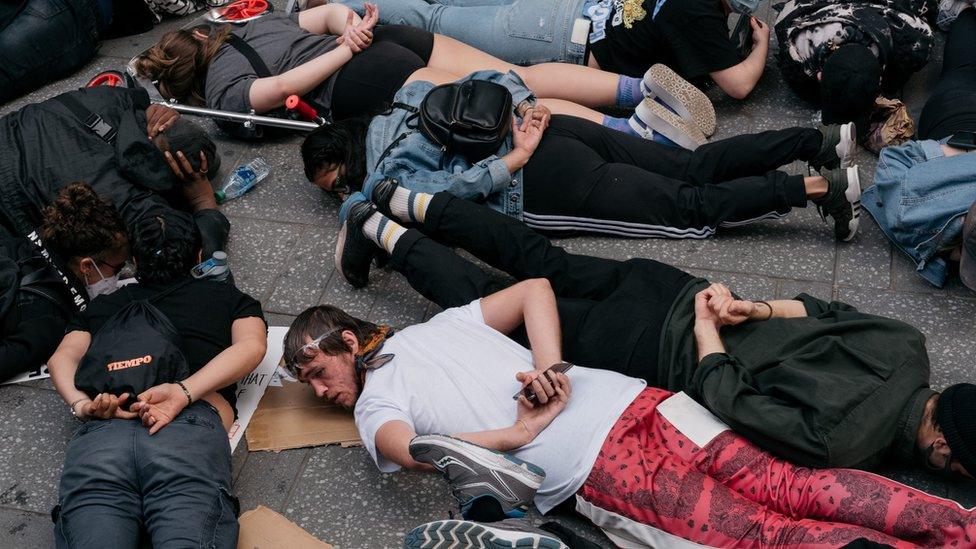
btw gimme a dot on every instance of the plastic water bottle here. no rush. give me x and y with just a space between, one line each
243 178
214 268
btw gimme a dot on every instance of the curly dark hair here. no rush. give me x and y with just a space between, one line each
190 139
79 223
342 143
165 246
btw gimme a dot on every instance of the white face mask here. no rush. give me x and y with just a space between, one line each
104 286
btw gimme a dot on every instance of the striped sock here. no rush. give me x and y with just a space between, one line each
383 231
629 92
409 206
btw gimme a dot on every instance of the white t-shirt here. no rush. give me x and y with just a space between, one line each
455 374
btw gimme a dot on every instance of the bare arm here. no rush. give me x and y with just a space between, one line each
270 92
327 19
739 80
533 303
64 363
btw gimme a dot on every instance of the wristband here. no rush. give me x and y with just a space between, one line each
75 403
189 399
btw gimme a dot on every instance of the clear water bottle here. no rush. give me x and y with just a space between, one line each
243 178
214 268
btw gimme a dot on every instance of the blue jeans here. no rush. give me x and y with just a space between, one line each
48 40
120 485
523 32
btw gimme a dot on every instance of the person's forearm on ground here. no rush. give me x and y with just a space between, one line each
328 19
203 200
708 339
64 363
739 81
780 308
249 344
501 440
270 92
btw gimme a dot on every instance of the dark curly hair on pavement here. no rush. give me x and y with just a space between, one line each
342 143
165 246
79 223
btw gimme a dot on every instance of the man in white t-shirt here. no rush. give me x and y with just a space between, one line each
648 466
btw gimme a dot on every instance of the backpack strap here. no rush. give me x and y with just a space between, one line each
248 52
91 120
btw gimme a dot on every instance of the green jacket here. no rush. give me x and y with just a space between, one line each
837 388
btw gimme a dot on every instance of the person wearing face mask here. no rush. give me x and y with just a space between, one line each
88 242
213 335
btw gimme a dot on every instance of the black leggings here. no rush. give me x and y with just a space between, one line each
952 106
611 313
584 177
368 82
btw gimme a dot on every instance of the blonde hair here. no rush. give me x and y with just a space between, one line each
179 61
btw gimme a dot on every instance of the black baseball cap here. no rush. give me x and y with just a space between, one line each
849 84
967 262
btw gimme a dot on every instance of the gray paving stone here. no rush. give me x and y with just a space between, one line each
301 283
341 498
277 319
98 64
257 250
865 262
946 322
126 47
35 427
399 305
285 195
357 302
25 529
788 289
268 477
906 279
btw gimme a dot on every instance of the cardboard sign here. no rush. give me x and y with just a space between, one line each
292 416
262 528
252 387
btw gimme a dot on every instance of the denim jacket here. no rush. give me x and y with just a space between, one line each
919 199
416 162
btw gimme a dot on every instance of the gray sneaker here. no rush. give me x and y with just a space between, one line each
475 472
463 534
842 201
837 148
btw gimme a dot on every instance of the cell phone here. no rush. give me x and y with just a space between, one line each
529 394
963 140
741 36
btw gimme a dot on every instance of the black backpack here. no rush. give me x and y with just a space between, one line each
470 118
137 348
24 269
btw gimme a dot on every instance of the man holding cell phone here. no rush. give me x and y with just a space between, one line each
937 171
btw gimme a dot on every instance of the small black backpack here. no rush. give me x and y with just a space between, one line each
137 348
470 118
24 269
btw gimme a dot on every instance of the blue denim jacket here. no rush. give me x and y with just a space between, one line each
919 199
416 162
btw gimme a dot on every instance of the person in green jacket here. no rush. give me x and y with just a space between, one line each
820 384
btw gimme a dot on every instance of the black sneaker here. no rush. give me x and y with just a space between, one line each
837 148
380 193
354 251
842 201
463 534
475 472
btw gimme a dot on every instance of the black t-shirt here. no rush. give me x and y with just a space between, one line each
202 312
690 36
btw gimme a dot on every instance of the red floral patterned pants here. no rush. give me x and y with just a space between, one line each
653 485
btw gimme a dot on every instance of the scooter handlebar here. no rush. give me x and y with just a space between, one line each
304 110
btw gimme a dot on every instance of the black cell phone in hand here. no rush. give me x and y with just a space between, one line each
963 140
529 394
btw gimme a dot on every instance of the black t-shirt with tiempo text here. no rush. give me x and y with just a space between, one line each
690 36
202 311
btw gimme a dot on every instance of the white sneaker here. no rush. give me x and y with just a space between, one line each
651 117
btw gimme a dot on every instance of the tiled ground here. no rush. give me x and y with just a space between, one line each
281 252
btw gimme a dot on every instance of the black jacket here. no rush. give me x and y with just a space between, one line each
44 146
836 388
897 31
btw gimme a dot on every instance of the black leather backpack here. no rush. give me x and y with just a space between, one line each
470 118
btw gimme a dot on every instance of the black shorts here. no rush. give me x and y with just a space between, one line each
368 82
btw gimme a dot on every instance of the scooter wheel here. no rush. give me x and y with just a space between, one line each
110 78
240 11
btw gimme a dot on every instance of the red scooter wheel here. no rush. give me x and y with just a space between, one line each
110 78
240 11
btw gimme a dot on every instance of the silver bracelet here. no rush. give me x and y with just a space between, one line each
74 405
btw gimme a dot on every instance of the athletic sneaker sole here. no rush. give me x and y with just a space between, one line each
679 94
853 195
457 534
845 148
659 119
340 246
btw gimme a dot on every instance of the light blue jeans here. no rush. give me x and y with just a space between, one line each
523 32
